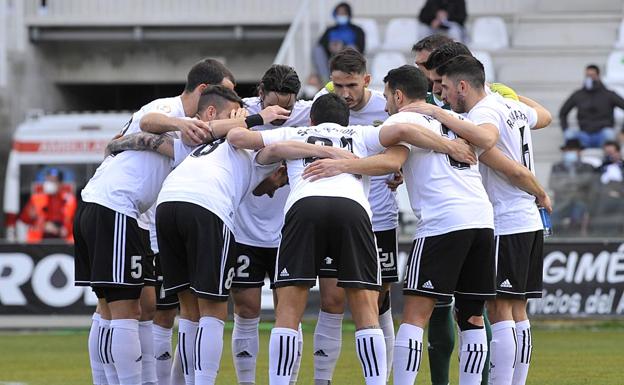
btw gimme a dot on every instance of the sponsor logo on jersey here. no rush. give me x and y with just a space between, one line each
284 273
428 285
506 284
328 260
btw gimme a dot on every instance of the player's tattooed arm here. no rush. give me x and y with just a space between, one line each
518 175
142 141
288 149
385 163
422 137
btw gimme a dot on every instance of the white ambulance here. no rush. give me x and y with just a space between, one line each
72 143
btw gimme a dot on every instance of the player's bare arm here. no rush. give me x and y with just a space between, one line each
243 138
288 149
483 136
544 118
517 174
385 163
419 136
142 141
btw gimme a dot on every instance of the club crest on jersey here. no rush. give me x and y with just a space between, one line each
164 108
328 260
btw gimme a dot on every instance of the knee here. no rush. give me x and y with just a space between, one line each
499 310
165 318
469 313
333 302
247 310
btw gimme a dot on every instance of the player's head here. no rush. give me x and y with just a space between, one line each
216 102
423 49
208 72
329 108
440 56
404 85
279 86
462 78
349 76
273 182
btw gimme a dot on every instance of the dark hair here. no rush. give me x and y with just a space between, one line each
217 96
612 143
593 67
444 53
349 61
410 80
207 71
53 171
280 78
464 67
347 6
330 108
431 42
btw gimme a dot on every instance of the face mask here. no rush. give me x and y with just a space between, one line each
588 83
50 187
342 19
570 156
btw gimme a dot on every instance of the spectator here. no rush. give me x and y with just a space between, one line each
50 213
612 169
594 110
445 16
571 180
312 86
343 34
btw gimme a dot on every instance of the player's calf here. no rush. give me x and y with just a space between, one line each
473 340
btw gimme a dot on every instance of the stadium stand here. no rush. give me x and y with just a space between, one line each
489 34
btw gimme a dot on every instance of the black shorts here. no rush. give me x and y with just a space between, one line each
387 249
253 265
320 228
109 248
519 264
459 263
196 250
163 301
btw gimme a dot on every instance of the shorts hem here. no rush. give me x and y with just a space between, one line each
295 282
210 296
247 285
484 296
114 284
360 285
526 295
176 289
422 293
390 279
167 306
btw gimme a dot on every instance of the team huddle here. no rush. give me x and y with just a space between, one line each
204 195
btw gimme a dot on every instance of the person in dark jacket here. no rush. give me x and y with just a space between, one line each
595 104
341 35
446 17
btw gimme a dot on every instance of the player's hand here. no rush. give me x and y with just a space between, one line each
396 181
462 151
239 113
420 107
323 168
339 153
196 131
545 203
272 113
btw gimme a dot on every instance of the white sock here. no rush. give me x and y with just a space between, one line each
387 326
295 371
245 346
97 370
327 344
472 353
408 348
371 350
106 353
502 352
177 374
523 353
208 349
126 349
282 353
163 353
187 331
148 362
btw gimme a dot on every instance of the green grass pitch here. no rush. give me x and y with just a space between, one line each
570 355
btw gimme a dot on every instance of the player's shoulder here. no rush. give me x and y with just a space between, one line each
169 106
410 117
252 104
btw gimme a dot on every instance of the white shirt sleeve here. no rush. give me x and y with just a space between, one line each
180 152
531 114
484 115
276 135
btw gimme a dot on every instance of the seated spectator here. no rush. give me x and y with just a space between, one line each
343 34
571 181
594 105
612 169
50 213
445 16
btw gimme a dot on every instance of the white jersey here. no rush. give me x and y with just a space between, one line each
129 182
445 195
259 220
383 201
147 221
515 210
362 141
216 176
